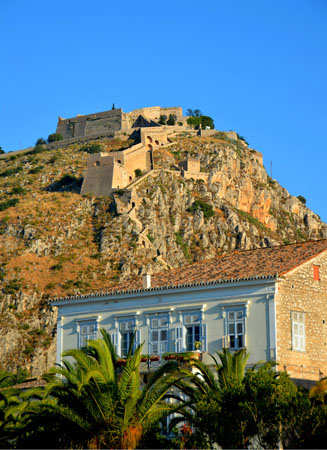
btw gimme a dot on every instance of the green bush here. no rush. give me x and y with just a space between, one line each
302 199
18 190
8 204
1 151
171 120
93 148
55 137
241 138
67 181
162 120
9 172
12 287
40 141
204 207
138 173
37 169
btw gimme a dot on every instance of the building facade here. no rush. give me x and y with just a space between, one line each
272 301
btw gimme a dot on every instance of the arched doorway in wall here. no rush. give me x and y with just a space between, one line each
130 179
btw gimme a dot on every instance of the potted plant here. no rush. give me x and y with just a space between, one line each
154 358
121 362
168 356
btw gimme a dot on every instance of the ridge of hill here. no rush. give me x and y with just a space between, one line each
56 242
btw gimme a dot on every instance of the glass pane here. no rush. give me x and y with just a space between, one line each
239 314
240 341
155 348
232 341
163 322
163 335
91 329
231 328
154 323
197 333
155 335
239 327
187 319
195 318
84 329
231 315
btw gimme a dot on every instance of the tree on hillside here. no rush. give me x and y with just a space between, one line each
196 119
40 141
1 151
55 137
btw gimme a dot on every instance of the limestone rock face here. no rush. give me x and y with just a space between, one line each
55 242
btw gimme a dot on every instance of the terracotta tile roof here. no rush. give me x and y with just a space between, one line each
236 266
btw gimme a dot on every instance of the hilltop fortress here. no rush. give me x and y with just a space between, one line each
115 120
120 170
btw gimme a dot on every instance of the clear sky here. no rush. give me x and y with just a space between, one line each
256 66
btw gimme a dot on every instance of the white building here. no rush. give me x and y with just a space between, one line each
251 299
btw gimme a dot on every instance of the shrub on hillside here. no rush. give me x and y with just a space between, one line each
302 199
40 141
204 207
66 183
138 173
93 148
8 204
9 172
171 120
55 137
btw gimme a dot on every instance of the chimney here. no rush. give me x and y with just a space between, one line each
146 281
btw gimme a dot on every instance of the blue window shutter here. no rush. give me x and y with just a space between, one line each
204 337
137 341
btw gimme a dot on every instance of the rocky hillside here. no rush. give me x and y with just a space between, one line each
55 242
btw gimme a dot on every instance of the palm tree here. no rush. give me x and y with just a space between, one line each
232 367
87 402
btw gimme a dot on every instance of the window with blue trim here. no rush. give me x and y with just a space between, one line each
236 328
158 338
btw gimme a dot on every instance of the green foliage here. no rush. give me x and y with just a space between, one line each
302 199
183 245
91 402
204 207
40 141
162 120
11 378
171 120
36 170
1 151
207 121
9 172
92 148
12 287
66 182
151 238
241 138
138 173
8 204
56 267
18 190
193 112
55 137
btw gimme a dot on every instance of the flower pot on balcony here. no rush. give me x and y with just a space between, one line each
121 362
154 358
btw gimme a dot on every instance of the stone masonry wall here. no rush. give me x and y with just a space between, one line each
300 292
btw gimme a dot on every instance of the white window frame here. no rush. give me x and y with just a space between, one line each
240 314
298 330
190 317
158 324
124 324
87 330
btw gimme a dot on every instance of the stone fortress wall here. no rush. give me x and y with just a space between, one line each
107 122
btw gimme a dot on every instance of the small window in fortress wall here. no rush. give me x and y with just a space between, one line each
316 275
157 142
97 163
150 138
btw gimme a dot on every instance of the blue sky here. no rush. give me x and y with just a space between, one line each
258 67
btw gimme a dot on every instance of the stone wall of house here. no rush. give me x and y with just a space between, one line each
300 292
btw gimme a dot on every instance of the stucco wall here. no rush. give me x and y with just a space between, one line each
213 300
300 292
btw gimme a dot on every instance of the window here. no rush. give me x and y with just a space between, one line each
159 335
123 334
126 329
236 328
298 330
87 332
192 335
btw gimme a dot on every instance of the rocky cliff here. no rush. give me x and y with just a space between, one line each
55 242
